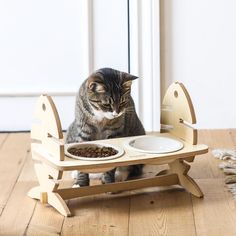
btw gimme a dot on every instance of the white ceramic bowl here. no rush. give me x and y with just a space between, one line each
120 151
154 144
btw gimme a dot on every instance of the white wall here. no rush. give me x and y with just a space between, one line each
198 48
51 47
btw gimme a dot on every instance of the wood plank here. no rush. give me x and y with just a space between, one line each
3 137
69 193
214 215
162 213
232 133
45 221
181 111
19 208
206 166
151 213
30 217
12 157
98 215
130 156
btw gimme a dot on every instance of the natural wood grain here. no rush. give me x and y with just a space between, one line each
171 212
49 130
162 213
13 154
49 149
98 215
181 169
178 109
19 208
206 166
69 193
45 221
130 156
215 214
3 137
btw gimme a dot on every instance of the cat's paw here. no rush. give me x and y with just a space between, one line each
121 174
74 174
106 179
76 185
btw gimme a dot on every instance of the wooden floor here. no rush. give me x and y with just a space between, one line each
153 211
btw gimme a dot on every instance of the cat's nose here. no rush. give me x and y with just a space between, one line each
114 113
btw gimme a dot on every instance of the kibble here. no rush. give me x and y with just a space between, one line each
93 152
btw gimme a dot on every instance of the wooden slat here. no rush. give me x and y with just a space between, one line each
152 212
36 132
104 215
214 215
12 157
206 166
232 133
54 147
47 113
3 137
45 221
181 111
19 208
130 157
162 213
113 187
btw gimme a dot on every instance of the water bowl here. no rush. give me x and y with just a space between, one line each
154 144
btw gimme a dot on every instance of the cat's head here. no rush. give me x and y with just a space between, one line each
108 92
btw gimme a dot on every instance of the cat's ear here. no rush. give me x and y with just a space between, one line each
127 80
95 86
129 77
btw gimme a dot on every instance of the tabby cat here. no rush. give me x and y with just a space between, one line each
105 109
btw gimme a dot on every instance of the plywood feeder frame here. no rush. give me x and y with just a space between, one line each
50 161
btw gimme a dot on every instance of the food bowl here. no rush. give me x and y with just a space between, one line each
93 152
154 144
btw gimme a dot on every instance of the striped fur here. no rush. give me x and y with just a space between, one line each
105 109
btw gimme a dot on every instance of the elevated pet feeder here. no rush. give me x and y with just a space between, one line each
48 150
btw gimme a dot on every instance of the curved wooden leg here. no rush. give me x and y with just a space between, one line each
55 200
34 192
46 191
181 169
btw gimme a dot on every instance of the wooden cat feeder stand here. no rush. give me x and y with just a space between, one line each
50 161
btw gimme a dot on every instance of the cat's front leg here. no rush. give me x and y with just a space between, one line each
118 174
108 177
122 173
81 179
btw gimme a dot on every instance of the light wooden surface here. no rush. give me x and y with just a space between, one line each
130 156
177 109
149 211
47 145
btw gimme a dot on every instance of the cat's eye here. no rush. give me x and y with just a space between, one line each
124 99
106 104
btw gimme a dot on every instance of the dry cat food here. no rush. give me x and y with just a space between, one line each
93 152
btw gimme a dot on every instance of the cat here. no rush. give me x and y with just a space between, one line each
105 109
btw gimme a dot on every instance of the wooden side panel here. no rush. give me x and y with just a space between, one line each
47 113
180 113
48 131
